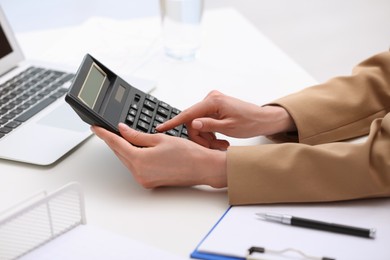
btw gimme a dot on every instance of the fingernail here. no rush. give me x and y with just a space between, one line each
197 124
92 129
123 126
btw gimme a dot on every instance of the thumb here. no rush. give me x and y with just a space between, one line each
207 124
136 137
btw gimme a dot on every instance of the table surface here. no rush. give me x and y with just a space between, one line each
234 58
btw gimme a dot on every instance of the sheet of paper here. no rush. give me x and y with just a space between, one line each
89 242
241 228
123 46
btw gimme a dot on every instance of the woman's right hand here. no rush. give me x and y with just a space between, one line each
231 117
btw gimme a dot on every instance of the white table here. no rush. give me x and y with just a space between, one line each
236 59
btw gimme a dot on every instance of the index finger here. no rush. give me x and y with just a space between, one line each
200 109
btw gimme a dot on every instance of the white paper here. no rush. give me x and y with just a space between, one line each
241 228
123 46
89 242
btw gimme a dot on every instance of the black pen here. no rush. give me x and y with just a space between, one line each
319 225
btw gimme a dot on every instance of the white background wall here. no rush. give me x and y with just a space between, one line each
327 38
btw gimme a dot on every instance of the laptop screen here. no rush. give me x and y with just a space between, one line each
10 52
5 46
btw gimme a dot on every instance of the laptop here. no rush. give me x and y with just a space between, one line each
36 125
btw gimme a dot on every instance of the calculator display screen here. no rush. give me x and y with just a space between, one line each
92 85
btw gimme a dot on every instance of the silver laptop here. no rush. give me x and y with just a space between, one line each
36 125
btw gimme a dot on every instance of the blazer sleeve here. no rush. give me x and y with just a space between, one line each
318 169
340 108
293 172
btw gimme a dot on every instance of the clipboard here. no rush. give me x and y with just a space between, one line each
239 229
198 254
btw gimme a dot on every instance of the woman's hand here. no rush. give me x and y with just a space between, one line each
162 160
229 116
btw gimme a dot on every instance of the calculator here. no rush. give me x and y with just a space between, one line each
100 97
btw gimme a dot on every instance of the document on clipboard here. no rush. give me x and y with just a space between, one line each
241 234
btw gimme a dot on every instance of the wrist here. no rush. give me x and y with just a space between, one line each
214 170
277 120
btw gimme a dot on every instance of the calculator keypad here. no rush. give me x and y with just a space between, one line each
145 113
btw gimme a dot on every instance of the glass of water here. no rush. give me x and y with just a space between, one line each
181 27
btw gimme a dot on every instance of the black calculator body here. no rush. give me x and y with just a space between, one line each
102 98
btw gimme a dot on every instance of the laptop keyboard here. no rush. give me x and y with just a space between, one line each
28 93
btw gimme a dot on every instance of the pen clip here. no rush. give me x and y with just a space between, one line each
254 253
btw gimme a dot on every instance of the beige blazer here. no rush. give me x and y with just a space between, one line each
322 167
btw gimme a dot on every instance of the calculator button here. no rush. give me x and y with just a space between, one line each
130 118
172 132
163 104
143 126
152 98
162 111
150 105
175 111
160 119
134 106
184 131
145 118
133 112
147 112
137 98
